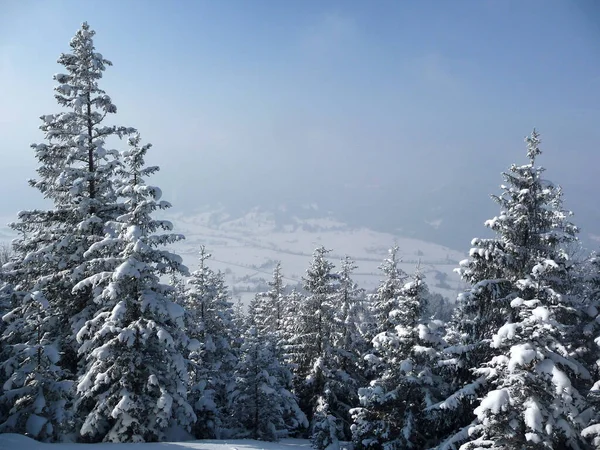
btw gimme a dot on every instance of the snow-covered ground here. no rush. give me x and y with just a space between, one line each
18 442
247 247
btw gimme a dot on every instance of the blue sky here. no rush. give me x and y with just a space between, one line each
391 112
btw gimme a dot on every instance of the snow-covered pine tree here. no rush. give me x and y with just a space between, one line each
312 331
591 345
34 398
515 366
134 385
240 319
36 391
267 311
379 305
348 347
293 303
291 347
210 322
269 307
177 283
7 304
262 404
75 173
385 298
324 435
6 254
393 407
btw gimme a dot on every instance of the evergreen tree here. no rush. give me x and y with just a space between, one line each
293 303
385 299
327 345
393 407
210 323
34 400
262 403
177 283
348 346
240 318
272 315
310 349
591 346
76 174
8 298
267 312
269 307
515 364
380 304
134 386
324 435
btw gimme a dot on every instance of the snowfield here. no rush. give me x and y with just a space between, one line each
245 248
19 442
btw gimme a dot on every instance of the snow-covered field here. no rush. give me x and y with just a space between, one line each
18 442
246 249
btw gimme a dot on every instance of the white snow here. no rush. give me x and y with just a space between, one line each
118 311
246 247
533 416
38 297
541 313
521 355
34 425
16 441
165 337
127 269
175 310
495 402
506 331
560 380
592 430
133 232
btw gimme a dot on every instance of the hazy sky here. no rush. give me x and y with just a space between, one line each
389 113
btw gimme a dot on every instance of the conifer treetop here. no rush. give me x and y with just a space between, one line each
74 160
78 88
533 146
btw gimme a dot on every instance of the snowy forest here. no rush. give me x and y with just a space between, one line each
106 336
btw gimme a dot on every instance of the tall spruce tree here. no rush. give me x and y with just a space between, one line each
268 308
386 297
134 386
267 313
263 405
381 304
327 346
393 412
267 317
348 346
210 323
293 302
310 347
76 172
325 429
516 367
